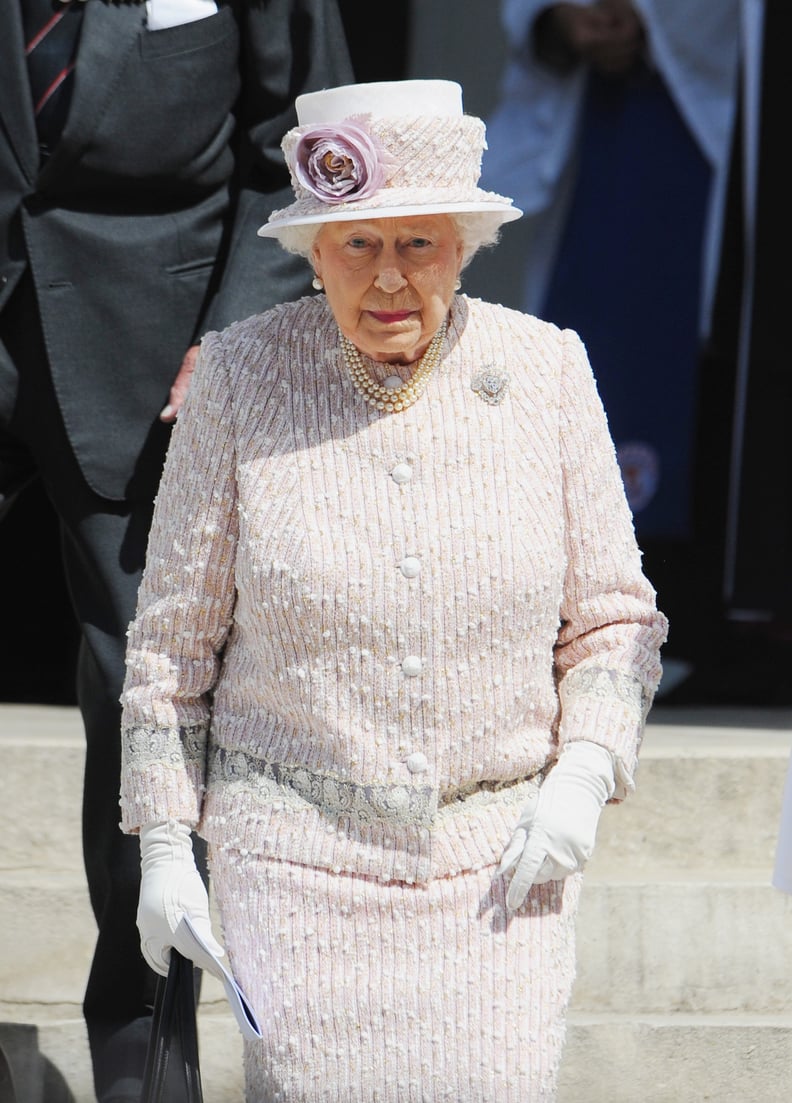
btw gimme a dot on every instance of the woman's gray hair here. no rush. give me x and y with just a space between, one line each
477 230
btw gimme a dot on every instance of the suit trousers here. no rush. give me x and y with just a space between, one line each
103 546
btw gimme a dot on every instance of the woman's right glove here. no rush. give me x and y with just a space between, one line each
556 833
171 890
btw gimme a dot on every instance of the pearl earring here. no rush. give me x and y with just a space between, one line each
317 283
457 284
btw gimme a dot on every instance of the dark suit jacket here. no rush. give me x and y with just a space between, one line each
140 229
744 467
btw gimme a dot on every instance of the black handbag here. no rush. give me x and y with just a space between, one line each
173 1073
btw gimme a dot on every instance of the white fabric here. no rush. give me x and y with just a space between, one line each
171 890
556 832
531 134
172 13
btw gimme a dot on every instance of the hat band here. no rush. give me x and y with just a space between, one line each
392 199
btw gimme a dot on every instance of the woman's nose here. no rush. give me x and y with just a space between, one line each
390 280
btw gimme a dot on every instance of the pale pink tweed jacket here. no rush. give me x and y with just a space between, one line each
359 633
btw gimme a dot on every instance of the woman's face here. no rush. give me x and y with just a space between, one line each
389 281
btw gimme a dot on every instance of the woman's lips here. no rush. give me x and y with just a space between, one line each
390 315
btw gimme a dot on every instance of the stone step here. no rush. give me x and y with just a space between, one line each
684 949
676 1058
42 755
48 940
695 946
708 795
642 946
708 792
50 1061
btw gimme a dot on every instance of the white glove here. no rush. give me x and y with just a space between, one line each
556 832
170 890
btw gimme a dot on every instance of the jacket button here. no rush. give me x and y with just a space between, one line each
411 665
417 763
410 566
402 473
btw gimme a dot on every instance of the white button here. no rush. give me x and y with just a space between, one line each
417 763
402 473
393 381
411 665
410 566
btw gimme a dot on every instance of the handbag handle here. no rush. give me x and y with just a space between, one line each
173 1073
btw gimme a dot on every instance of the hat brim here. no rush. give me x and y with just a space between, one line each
507 212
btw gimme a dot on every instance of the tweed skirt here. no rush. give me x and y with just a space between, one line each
385 992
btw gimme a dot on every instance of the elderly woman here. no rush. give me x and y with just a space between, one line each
394 648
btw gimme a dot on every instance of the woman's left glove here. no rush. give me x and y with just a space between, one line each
556 832
171 890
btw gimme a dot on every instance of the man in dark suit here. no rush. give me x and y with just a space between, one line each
133 178
741 606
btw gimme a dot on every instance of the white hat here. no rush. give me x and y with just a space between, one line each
384 150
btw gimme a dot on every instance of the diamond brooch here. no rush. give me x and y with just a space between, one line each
490 385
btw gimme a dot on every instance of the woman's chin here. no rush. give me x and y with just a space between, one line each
394 344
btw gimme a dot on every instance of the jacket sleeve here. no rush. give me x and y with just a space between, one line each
287 47
608 648
184 611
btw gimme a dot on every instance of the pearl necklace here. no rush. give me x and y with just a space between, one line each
392 399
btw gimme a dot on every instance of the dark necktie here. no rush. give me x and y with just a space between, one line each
52 29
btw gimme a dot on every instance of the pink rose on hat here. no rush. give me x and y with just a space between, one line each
339 162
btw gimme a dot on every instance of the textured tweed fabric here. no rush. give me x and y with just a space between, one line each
361 638
393 993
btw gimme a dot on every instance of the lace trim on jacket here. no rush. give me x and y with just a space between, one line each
295 786
170 747
607 685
